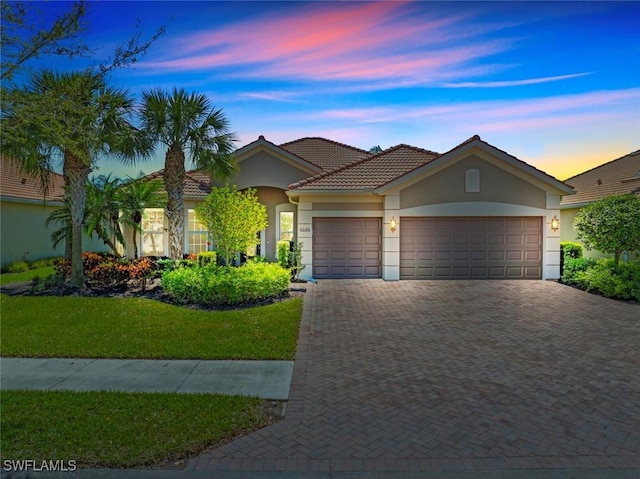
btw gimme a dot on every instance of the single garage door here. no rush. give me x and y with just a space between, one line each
471 248
347 247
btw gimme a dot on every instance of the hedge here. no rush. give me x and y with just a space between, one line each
213 284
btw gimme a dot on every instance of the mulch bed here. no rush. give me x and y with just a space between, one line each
153 290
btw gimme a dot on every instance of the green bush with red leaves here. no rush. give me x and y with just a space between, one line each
107 271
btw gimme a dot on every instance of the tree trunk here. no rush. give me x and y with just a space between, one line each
112 246
76 172
174 174
135 243
68 246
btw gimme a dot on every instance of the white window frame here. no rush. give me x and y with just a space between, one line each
286 208
161 232
192 232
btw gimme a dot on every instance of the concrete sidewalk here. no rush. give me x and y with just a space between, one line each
264 379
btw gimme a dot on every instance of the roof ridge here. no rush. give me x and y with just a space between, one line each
603 164
415 148
411 147
361 161
344 145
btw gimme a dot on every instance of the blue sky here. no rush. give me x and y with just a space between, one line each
556 84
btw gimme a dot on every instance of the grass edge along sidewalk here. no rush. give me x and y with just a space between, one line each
139 328
104 429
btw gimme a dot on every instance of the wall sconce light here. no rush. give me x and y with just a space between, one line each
555 223
393 225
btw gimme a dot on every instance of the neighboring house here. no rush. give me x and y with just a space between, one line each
616 177
23 212
404 213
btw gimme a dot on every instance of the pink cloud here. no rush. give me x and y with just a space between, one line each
499 114
337 41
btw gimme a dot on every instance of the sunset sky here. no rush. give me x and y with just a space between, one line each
554 84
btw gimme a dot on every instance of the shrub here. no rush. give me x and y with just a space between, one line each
104 270
283 247
171 264
569 250
42 263
142 270
612 280
296 260
207 257
108 273
226 285
573 267
17 267
185 285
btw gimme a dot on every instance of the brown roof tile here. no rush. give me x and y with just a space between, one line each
197 184
369 173
324 153
16 184
613 178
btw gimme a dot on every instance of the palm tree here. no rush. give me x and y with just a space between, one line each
134 197
102 212
186 124
62 217
80 117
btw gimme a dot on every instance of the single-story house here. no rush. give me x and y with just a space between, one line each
617 177
404 213
23 211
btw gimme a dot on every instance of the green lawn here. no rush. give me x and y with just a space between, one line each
68 326
118 430
9 278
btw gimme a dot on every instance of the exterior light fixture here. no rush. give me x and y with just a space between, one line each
393 225
555 223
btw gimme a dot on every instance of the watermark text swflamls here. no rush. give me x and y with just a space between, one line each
33 465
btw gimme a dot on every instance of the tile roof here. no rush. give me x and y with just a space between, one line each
197 184
369 173
326 154
16 184
613 178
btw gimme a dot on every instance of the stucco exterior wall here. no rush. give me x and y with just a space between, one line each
24 236
264 169
271 198
449 185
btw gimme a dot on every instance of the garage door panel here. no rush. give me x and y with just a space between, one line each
514 255
532 239
347 247
496 239
478 256
532 256
426 240
485 247
339 255
355 255
372 255
461 255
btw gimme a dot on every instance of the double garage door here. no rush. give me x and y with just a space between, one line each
471 248
431 248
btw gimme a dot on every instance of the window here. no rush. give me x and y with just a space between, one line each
196 233
472 181
286 225
153 232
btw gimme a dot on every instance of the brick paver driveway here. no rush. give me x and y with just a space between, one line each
451 375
